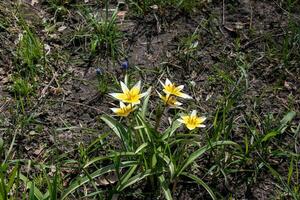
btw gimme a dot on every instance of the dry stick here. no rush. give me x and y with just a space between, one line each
47 86
3 106
78 104
251 15
223 13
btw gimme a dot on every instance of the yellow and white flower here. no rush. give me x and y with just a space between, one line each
170 100
192 121
171 89
124 110
131 96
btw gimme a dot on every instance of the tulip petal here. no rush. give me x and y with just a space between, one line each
194 113
180 87
118 96
185 96
168 82
124 87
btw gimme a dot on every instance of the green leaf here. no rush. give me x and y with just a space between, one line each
164 187
12 178
145 104
202 183
134 179
120 130
82 180
147 130
1 145
200 152
288 117
114 125
171 129
127 175
96 159
37 193
283 125
285 120
270 135
31 192
291 168
169 163
141 147
153 161
184 141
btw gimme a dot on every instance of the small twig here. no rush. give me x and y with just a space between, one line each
251 15
78 104
44 90
223 13
4 105
157 24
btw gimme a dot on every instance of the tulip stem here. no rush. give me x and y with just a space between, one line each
160 114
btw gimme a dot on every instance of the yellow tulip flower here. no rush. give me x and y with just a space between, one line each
124 110
131 96
171 89
192 121
170 100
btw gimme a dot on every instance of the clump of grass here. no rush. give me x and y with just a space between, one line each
21 87
106 35
101 34
30 52
59 8
187 49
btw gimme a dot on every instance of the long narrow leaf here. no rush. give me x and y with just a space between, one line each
169 163
120 130
12 178
114 125
200 152
127 175
82 180
147 130
165 187
201 182
145 104
141 147
171 130
96 159
37 193
134 179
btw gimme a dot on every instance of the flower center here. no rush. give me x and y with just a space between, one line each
192 120
130 95
171 100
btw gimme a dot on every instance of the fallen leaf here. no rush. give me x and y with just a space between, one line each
108 180
62 28
121 15
33 2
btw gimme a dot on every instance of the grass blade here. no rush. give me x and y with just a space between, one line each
200 152
165 187
145 104
169 163
134 179
37 193
202 183
82 180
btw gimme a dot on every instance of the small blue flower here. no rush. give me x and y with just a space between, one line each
125 65
99 71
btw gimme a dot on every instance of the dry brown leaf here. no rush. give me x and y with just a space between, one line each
33 2
108 180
